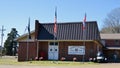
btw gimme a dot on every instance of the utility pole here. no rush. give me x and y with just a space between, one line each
2 34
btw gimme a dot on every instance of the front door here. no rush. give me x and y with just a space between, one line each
53 52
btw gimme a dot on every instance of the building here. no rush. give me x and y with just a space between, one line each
69 42
112 46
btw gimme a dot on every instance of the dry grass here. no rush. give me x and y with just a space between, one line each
7 60
11 62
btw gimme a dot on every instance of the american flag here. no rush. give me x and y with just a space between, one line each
55 23
84 22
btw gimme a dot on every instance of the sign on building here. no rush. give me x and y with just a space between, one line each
76 50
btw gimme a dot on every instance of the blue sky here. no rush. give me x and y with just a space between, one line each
15 13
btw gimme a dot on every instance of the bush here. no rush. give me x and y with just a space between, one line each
74 59
62 58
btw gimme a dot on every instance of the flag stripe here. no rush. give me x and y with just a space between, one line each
55 23
84 22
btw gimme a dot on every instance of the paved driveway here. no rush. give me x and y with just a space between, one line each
106 65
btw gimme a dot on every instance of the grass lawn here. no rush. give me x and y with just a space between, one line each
13 61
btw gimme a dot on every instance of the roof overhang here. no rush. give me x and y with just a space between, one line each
57 40
114 36
95 41
67 40
113 48
99 43
25 35
29 40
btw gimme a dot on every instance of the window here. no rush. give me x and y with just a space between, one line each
116 42
55 49
53 43
50 49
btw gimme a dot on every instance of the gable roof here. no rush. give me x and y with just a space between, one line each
25 36
69 31
110 36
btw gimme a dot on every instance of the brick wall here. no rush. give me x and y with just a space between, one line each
43 47
90 50
112 43
22 51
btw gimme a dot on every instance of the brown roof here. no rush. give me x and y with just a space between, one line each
110 36
69 31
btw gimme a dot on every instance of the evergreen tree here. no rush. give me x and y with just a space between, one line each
10 44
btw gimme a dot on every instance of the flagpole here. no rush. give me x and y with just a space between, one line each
54 49
28 38
55 30
84 44
84 36
27 48
2 34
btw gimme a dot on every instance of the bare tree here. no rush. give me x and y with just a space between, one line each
112 22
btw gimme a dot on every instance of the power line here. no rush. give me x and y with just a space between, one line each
2 34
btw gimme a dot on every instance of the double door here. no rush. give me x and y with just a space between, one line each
53 52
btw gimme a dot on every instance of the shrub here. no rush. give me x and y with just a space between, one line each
74 59
41 58
62 58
